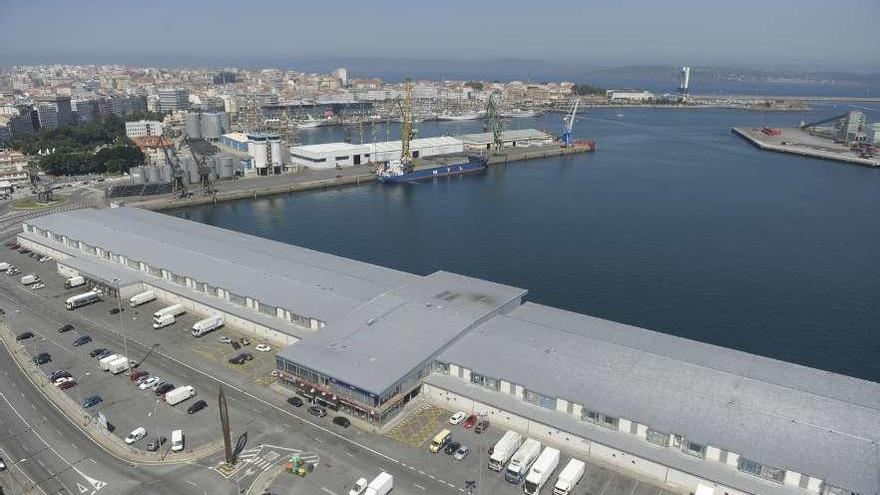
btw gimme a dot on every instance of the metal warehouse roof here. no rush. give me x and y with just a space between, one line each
432 142
381 342
330 148
304 281
512 135
784 415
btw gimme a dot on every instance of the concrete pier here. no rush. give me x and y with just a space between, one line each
798 142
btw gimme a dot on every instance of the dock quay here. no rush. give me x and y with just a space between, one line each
798 142
538 152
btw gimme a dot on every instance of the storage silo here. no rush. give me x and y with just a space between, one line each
261 156
137 175
167 173
225 125
276 156
211 127
226 168
193 125
152 176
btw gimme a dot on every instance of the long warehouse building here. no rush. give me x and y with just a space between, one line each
367 340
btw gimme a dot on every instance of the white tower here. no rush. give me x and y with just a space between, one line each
685 81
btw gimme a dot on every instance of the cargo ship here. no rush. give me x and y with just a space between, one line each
396 172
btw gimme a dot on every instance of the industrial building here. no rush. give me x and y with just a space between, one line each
367 340
518 138
629 96
142 128
332 155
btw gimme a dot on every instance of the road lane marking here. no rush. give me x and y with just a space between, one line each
193 483
420 487
327 490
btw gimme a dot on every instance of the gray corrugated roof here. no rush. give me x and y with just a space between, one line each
380 342
304 281
788 416
511 135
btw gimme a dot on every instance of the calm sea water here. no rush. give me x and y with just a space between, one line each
674 224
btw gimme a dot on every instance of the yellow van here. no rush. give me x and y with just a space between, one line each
440 440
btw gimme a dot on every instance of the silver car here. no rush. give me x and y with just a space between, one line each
461 453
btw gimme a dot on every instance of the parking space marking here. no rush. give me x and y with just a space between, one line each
327 490
420 487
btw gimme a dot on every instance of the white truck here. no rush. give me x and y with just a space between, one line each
179 394
177 440
359 487
118 365
569 477
142 298
105 361
541 470
522 461
83 299
167 316
504 449
380 485
76 281
29 279
4 266
209 324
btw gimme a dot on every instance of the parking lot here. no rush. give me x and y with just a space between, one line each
168 351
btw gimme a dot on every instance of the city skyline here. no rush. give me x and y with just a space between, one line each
561 34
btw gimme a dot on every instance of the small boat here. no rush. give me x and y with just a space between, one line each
461 116
309 123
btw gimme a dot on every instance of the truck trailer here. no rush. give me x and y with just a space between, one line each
76 281
118 365
380 485
29 279
207 325
167 316
104 362
179 394
569 477
83 299
522 460
142 298
504 449
541 470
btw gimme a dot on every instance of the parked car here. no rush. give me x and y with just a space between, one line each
155 444
470 421
163 388
82 340
342 421
149 382
198 406
141 379
92 401
137 375
461 453
244 341
457 418
103 353
482 426
451 447
65 328
239 359
98 350
247 356
295 401
44 259
263 347
61 379
317 411
24 336
2 465
38 286
58 374
42 358
224 339
68 384
235 345
116 311
135 435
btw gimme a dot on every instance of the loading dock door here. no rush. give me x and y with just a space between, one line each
357 159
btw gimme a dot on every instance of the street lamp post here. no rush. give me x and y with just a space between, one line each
121 325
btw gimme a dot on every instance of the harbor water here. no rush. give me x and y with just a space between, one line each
674 224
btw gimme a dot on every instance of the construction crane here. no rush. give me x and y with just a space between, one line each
179 185
494 124
569 124
406 125
823 121
204 173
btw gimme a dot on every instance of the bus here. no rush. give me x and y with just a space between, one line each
440 441
83 299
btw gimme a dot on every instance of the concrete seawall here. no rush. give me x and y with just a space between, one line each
797 142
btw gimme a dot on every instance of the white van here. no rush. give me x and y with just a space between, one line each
142 298
177 440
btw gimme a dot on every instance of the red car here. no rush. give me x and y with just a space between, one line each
470 421
68 384
137 374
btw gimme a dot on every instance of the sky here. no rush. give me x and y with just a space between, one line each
839 34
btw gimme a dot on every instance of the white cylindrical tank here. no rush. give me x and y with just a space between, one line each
260 154
152 175
226 169
276 153
137 175
193 126
211 127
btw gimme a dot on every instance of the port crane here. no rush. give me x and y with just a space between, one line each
823 121
569 124
179 186
494 124
406 124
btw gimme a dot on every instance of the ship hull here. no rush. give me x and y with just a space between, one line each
436 172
